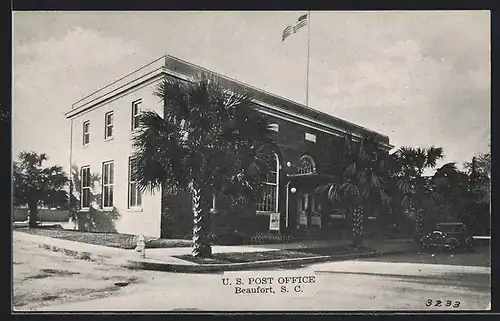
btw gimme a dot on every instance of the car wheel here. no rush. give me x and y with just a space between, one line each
470 244
453 245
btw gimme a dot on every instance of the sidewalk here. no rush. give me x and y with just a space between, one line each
402 269
162 258
104 254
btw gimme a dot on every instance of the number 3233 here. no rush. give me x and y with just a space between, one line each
441 303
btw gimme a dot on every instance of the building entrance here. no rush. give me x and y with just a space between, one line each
309 210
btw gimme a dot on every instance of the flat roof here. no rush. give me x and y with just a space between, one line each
170 64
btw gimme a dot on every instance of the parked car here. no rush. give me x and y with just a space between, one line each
448 236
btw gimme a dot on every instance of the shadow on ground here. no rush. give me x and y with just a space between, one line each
480 257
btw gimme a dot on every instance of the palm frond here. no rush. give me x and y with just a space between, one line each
362 178
385 198
349 189
433 154
158 152
210 131
376 181
404 185
351 169
407 200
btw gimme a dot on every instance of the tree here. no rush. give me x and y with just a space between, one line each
480 165
35 184
209 140
55 198
478 172
356 175
417 189
451 191
93 219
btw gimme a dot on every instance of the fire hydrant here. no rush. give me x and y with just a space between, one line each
141 245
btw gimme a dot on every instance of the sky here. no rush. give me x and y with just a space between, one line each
420 77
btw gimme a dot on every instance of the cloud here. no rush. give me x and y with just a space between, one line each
396 76
420 77
74 54
51 74
417 94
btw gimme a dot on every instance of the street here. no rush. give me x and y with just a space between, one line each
50 281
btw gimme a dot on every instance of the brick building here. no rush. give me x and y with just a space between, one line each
103 123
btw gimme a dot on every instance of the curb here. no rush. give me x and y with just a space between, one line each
458 276
155 265
78 254
200 268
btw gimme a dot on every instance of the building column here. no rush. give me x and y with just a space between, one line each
309 210
292 210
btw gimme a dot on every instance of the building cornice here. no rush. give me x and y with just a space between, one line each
159 68
295 107
120 91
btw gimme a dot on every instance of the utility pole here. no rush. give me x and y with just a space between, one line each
308 51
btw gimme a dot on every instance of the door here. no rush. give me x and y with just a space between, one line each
315 212
303 208
309 210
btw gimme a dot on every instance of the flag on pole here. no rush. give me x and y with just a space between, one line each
286 32
301 22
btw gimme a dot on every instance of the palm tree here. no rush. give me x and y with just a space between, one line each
34 183
416 188
450 186
356 178
209 140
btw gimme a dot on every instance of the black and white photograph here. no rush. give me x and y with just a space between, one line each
307 161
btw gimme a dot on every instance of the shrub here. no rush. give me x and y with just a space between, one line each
270 238
228 237
96 220
168 243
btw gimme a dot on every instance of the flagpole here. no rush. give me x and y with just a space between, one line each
308 50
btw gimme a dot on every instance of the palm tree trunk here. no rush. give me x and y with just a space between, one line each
33 214
357 226
418 221
201 246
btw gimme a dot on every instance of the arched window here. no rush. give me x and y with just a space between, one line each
307 165
268 202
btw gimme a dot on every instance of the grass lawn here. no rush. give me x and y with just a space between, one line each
122 241
225 258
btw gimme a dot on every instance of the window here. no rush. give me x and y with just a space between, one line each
310 137
268 202
85 187
303 202
337 213
307 165
445 228
136 110
134 194
316 205
107 184
108 125
86 133
274 127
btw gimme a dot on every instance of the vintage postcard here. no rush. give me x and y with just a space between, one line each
251 161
